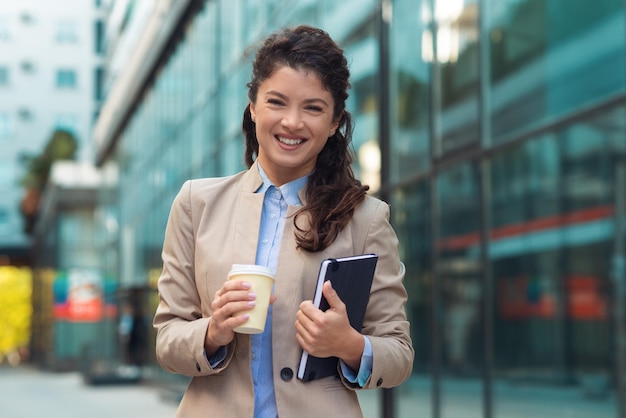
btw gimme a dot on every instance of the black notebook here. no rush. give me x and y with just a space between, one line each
351 278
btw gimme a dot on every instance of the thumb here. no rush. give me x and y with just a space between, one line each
331 295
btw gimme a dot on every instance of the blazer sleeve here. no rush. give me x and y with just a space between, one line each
385 321
180 325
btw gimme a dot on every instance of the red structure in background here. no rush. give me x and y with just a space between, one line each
521 298
79 297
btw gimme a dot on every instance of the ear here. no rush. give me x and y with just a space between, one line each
252 111
333 127
335 123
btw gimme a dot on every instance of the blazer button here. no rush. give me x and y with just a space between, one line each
380 382
286 374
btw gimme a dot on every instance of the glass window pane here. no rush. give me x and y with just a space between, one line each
455 58
362 52
7 126
537 68
66 78
460 276
552 246
4 75
411 218
409 90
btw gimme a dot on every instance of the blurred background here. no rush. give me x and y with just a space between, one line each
496 129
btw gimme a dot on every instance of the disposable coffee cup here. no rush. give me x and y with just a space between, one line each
261 282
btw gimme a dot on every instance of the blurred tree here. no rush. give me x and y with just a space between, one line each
62 145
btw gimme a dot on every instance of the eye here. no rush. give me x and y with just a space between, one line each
314 108
275 102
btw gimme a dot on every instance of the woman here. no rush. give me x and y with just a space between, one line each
297 204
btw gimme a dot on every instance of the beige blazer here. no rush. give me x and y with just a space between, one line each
214 223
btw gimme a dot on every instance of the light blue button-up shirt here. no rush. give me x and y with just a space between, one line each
273 216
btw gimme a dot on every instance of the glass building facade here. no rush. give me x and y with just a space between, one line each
496 129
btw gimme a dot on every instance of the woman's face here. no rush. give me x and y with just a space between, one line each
294 118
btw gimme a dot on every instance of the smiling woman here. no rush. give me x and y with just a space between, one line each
297 204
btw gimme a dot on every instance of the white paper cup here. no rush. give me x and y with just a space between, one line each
261 282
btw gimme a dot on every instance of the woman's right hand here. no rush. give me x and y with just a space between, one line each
234 297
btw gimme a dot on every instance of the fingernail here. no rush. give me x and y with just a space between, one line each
251 295
252 303
246 285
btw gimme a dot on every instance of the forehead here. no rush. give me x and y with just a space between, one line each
285 77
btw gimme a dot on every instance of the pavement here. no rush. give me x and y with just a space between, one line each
30 392
27 392
462 398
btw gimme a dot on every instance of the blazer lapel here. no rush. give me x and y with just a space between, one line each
247 218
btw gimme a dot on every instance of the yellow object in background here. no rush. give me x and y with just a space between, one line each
16 285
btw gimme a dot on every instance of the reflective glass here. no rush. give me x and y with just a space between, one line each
411 217
451 45
460 276
548 58
230 27
410 77
552 245
362 52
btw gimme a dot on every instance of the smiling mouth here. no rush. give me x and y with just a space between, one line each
289 141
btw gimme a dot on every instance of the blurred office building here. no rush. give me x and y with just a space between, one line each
496 129
50 62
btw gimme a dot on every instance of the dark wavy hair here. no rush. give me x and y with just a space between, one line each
332 191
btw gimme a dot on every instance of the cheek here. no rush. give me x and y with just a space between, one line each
321 144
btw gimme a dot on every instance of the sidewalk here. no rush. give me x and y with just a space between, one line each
462 398
26 392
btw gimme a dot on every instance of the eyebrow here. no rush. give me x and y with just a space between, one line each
282 96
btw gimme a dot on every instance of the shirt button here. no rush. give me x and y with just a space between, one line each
265 241
253 356
273 216
286 374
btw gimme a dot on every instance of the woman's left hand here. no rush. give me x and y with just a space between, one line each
329 333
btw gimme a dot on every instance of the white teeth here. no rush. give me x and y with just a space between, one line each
288 141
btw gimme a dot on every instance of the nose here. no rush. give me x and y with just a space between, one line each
292 119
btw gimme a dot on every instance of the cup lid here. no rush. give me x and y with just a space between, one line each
250 269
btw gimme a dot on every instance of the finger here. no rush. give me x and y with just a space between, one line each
232 303
302 341
230 285
307 307
331 296
236 308
303 319
232 292
302 333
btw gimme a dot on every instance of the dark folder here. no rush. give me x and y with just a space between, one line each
351 278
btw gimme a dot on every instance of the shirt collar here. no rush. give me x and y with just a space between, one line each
288 190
